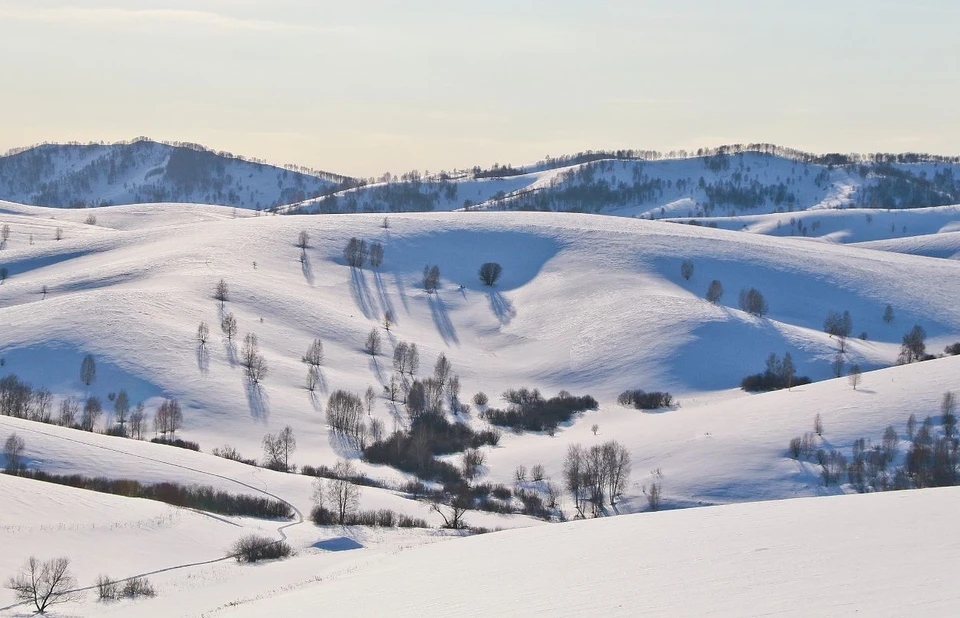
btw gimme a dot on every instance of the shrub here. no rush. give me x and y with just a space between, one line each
953 349
642 400
107 589
255 547
228 452
138 587
381 518
190 446
490 273
753 302
531 412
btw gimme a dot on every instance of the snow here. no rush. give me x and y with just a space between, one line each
593 305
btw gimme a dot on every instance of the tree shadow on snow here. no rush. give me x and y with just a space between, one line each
231 350
258 401
315 402
385 301
403 295
203 359
501 306
361 293
340 543
307 268
441 319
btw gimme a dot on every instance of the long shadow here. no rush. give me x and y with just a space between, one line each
315 402
203 359
375 367
231 352
403 295
307 267
441 319
502 307
385 301
361 293
258 401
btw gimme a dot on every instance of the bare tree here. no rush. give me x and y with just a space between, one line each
454 512
314 354
58 235
490 273
13 449
453 392
653 496
431 278
389 319
413 359
88 370
369 398
221 292
345 414
41 404
840 326
69 409
303 239
4 234
686 269
616 459
948 414
401 355
278 448
753 302
168 418
137 422
121 409
92 410
441 369
45 583
355 253
343 495
229 326
313 378
3 274
714 291
252 359
574 469
203 333
914 346
854 376
471 463
818 425
376 429
838 362
888 314
376 254
372 345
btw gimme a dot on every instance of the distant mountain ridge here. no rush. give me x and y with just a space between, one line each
733 180
84 175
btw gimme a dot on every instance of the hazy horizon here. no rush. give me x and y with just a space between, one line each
389 86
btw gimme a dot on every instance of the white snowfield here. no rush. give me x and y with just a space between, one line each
593 305
870 555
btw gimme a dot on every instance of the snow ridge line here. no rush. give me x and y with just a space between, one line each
281 530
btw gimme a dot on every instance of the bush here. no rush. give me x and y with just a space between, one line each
381 518
953 349
138 587
190 446
107 589
753 302
762 382
228 452
490 273
642 400
255 547
531 412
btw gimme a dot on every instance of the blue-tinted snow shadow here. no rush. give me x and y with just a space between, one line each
441 319
340 543
258 400
501 306
307 268
360 291
385 301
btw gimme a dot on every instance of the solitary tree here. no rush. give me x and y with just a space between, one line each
314 354
92 410
277 449
343 495
389 319
431 278
88 370
369 398
4 234
13 449
372 345
490 273
686 269
714 291
888 314
913 347
854 376
58 235
45 583
252 360
753 302
121 408
303 239
840 326
138 419
229 326
221 292
441 369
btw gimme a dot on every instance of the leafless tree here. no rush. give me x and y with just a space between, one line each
818 425
574 469
490 273
413 359
252 359
278 448
686 269
345 414
168 418
69 409
400 357
303 239
369 398
888 314
431 278
471 462
58 235
92 410
715 291
453 392
41 405
372 345
314 354
13 449
313 378
343 496
121 409
221 292
653 496
441 369
137 422
616 459
389 320
854 376
355 253
3 274
4 234
88 370
45 584
453 513
948 414
376 429
229 326
838 362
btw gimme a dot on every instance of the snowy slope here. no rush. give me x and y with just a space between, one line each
747 183
589 304
872 555
146 171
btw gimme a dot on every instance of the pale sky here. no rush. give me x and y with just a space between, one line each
366 86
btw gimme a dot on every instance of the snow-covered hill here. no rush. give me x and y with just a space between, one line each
744 183
74 175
